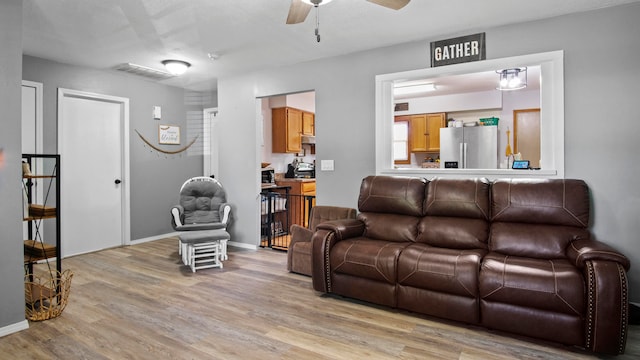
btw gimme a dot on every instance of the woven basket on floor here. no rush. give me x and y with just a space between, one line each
46 296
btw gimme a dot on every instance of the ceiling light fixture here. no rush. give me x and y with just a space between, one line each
413 87
512 79
176 67
316 2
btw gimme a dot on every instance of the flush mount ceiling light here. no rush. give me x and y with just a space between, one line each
413 87
176 67
512 79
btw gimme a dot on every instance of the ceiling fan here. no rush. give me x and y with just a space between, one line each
299 9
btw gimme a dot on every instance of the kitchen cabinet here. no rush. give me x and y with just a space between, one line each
308 123
424 132
286 130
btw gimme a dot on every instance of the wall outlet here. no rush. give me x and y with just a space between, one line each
326 165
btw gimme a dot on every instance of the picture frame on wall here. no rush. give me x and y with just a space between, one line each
169 134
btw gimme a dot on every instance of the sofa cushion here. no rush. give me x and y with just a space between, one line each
390 227
465 198
534 240
535 201
550 285
453 233
366 258
443 270
392 195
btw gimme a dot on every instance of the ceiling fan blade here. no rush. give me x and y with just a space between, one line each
391 4
298 11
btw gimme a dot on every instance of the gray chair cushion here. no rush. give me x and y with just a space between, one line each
194 237
201 201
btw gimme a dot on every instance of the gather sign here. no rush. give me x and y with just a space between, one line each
458 50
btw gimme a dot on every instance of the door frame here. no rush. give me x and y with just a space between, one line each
39 118
210 141
38 145
124 133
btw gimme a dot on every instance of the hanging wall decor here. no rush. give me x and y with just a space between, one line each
169 152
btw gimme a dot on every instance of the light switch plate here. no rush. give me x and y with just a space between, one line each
326 165
157 112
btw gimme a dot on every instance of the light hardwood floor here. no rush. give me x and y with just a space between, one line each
139 302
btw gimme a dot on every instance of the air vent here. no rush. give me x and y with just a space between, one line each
143 71
402 106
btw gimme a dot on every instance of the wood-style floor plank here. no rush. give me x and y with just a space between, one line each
140 302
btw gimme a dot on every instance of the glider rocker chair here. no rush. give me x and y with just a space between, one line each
299 252
201 219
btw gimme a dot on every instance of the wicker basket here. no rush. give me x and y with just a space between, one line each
46 296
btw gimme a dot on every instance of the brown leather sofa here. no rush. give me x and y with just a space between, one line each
513 255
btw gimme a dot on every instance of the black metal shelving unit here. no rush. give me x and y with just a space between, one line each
46 174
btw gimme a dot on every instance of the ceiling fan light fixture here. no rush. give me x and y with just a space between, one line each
316 2
176 67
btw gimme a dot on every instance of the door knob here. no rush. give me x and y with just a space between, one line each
117 181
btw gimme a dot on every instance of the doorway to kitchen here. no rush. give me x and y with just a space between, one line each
288 181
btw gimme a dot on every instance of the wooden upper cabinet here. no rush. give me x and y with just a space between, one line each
286 130
424 131
308 123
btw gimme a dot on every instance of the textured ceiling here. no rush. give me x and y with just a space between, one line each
252 34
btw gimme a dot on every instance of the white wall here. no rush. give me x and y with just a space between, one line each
601 52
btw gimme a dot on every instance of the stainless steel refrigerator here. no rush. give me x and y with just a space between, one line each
470 147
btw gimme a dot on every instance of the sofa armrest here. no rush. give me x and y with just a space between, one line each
298 234
343 228
604 270
581 251
607 315
326 235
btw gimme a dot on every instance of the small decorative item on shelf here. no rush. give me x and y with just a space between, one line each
26 169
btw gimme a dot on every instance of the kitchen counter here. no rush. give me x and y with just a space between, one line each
296 180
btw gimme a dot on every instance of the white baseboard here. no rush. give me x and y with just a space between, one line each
13 328
154 238
243 245
164 236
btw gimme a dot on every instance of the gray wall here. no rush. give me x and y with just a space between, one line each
11 270
602 83
155 178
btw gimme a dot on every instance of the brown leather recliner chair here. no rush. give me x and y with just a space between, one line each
299 252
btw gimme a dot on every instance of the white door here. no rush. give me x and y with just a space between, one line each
93 146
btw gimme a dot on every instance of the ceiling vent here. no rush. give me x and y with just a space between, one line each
147 72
